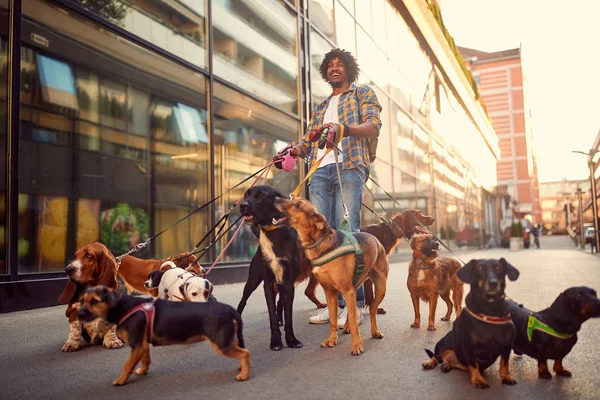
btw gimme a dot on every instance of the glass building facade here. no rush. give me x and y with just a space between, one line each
127 115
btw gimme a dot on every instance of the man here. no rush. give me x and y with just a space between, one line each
535 232
351 115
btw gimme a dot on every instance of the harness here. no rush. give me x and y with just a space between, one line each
349 244
533 323
488 319
148 309
184 296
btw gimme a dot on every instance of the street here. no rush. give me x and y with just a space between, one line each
33 366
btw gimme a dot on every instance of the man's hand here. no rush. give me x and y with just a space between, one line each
333 135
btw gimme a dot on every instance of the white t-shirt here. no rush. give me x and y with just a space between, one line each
331 115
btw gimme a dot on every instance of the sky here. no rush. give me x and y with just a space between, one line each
561 56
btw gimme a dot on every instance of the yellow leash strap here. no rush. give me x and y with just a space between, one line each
311 171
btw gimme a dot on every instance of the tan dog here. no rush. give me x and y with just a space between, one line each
337 275
430 276
134 271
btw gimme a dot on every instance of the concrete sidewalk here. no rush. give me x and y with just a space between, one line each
33 366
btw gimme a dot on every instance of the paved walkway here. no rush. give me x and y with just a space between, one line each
33 367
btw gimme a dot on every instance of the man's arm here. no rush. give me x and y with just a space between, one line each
369 110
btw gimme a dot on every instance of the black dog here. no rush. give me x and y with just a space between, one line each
552 333
140 321
484 330
277 260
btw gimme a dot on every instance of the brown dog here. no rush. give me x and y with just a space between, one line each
404 226
93 265
337 275
134 271
430 277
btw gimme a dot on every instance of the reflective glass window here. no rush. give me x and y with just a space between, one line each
113 143
321 15
345 36
247 135
255 48
4 268
318 48
363 14
176 26
348 4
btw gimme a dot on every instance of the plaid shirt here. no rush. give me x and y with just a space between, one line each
357 104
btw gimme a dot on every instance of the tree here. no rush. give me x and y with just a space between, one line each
113 10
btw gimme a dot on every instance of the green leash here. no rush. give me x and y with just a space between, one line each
533 323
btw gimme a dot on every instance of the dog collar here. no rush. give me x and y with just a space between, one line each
315 244
533 323
148 309
489 319
270 227
417 254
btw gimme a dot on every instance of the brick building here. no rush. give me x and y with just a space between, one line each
501 83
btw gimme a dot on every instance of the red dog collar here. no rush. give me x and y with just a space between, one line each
148 309
416 253
489 319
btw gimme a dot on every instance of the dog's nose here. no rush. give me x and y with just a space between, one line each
70 269
244 206
493 284
146 285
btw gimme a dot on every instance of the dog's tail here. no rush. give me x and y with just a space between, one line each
167 265
239 327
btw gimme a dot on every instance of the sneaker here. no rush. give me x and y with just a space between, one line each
344 316
322 317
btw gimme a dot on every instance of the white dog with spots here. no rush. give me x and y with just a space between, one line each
177 284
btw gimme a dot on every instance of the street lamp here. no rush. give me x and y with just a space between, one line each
590 155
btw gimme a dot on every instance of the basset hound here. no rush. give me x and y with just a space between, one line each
93 265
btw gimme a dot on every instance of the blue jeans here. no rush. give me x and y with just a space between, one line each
325 195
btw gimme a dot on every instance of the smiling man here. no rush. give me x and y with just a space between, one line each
351 114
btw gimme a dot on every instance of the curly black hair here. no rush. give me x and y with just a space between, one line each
352 69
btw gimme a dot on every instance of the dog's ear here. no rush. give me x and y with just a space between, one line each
107 266
467 272
68 293
318 221
511 271
110 296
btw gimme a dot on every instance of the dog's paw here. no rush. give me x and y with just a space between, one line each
445 318
276 345
564 373
445 368
294 343
415 325
431 328
241 377
544 375
72 345
329 342
429 364
357 350
119 381
141 371
381 311
112 343
480 383
377 335
321 305
508 380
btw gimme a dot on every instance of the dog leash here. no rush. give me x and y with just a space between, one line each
142 245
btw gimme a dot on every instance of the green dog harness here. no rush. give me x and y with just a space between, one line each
349 245
533 323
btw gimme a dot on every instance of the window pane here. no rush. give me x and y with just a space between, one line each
113 144
4 268
321 14
255 48
247 135
349 4
318 48
363 14
177 26
372 61
379 20
345 30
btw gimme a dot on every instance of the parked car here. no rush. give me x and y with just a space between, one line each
589 235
